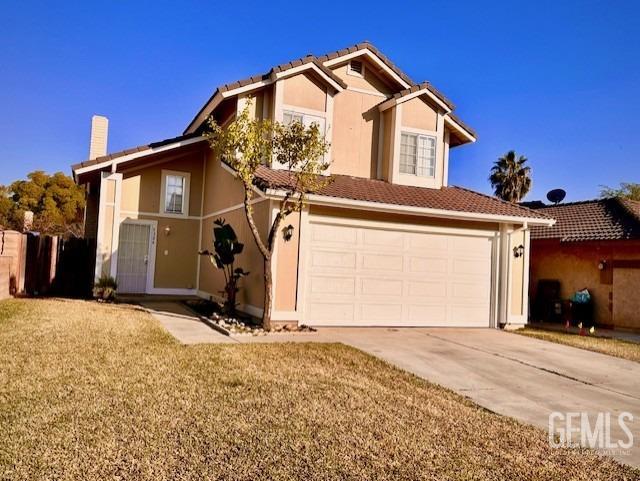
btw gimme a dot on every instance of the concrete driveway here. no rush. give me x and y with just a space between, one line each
517 376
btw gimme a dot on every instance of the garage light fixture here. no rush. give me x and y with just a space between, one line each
518 251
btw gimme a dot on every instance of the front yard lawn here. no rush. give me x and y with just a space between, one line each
91 392
613 347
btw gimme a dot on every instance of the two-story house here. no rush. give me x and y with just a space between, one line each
388 242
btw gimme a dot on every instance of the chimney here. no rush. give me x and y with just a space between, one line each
99 131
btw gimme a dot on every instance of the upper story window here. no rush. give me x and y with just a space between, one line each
290 116
418 154
175 192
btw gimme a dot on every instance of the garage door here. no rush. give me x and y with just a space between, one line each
358 276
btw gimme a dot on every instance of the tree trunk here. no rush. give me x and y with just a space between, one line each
268 300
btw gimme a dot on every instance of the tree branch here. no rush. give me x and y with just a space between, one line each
248 210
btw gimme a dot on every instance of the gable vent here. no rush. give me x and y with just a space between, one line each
356 67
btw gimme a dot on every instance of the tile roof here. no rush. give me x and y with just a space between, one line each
281 68
600 219
319 62
424 85
455 199
368 45
133 150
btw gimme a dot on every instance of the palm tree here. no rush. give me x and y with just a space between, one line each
510 178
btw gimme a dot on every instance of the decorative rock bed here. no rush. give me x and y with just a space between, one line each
245 326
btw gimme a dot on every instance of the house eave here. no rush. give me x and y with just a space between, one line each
114 162
321 200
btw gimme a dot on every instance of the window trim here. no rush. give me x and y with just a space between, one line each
419 133
185 193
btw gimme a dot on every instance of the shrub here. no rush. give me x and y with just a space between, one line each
105 289
226 247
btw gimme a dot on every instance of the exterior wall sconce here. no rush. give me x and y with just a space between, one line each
518 251
167 230
287 233
602 265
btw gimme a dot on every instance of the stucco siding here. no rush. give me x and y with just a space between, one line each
575 265
403 219
176 252
304 91
517 274
626 304
286 270
387 133
418 115
370 81
141 188
107 218
252 286
356 122
222 190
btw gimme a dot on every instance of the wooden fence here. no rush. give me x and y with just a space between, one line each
35 265
13 247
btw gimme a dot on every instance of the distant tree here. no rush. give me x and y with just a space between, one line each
5 206
55 200
246 144
627 190
510 178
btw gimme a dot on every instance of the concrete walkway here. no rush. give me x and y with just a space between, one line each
183 324
517 376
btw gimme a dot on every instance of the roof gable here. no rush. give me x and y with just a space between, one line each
308 63
321 64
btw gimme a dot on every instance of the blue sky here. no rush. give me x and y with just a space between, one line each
557 81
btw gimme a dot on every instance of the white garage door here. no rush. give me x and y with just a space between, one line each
358 276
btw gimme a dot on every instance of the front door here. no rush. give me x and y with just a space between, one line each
133 258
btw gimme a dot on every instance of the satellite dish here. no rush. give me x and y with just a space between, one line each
556 195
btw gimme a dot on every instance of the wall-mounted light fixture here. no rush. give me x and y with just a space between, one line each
518 251
167 230
602 265
287 233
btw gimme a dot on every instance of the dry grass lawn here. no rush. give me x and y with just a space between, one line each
93 392
613 347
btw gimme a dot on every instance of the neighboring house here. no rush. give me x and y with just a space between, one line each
389 242
594 244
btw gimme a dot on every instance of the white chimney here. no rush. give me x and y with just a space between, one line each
99 132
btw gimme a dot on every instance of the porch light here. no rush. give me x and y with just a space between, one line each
287 233
518 251
167 230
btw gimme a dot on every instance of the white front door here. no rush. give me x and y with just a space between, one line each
358 276
133 257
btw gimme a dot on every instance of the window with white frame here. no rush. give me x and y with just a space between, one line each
291 116
175 192
418 154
